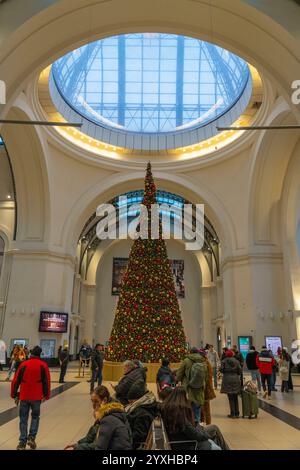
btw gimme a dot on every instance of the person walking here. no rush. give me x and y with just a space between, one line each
63 361
193 375
253 367
265 363
13 358
97 358
33 379
214 361
231 383
284 368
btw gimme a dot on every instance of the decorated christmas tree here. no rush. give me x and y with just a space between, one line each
147 324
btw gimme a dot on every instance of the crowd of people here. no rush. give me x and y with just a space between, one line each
123 418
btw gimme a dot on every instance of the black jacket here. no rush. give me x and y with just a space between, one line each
251 360
122 389
110 432
190 438
140 420
64 357
97 359
239 357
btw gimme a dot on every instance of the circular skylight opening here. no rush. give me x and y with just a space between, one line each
150 84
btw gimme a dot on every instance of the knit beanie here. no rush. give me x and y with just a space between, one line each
229 353
137 390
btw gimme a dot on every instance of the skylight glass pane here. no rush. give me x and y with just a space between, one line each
150 82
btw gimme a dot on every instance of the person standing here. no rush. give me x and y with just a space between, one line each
240 358
63 361
97 358
231 383
224 350
209 393
214 360
33 379
274 371
284 368
193 375
265 363
253 367
290 381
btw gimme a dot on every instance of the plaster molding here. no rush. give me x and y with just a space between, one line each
258 258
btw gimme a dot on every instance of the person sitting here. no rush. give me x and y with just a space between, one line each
178 417
212 430
131 375
165 376
141 411
111 430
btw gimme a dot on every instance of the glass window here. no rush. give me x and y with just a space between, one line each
150 82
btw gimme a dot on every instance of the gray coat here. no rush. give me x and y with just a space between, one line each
231 370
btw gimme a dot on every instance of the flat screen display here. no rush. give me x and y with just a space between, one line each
245 342
51 322
273 343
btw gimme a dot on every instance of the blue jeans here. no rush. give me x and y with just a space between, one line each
215 376
197 412
25 406
96 376
273 379
255 376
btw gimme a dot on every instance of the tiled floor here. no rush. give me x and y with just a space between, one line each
66 417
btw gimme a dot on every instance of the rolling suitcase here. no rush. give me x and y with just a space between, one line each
249 405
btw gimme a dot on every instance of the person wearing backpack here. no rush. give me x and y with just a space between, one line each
193 375
231 382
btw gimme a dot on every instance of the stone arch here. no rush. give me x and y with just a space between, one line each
121 183
269 161
259 39
27 154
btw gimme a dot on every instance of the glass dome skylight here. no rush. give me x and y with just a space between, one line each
150 83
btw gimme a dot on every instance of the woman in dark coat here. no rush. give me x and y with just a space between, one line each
141 411
178 418
231 382
111 430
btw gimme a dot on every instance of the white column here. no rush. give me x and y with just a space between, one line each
208 298
87 310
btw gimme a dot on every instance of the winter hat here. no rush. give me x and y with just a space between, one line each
36 351
229 353
137 390
203 352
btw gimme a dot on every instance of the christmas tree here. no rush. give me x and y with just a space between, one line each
147 324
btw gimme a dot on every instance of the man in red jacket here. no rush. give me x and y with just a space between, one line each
33 378
265 363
